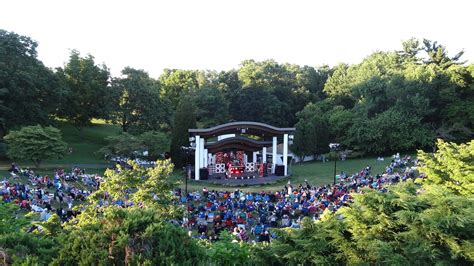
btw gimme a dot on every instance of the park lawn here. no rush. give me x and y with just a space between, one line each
317 173
84 143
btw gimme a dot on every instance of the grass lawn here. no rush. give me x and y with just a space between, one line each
84 143
317 173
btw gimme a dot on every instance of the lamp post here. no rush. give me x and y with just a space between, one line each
334 147
187 169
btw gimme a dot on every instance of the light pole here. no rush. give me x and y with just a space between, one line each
187 152
334 147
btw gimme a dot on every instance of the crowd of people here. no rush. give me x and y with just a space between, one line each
249 216
46 195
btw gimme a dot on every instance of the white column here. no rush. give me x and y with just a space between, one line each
197 160
254 157
206 157
264 155
201 153
285 153
274 154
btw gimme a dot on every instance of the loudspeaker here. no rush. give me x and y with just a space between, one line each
279 170
203 174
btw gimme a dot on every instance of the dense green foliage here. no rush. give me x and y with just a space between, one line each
28 90
411 224
313 134
130 146
85 88
142 233
397 101
137 106
18 246
127 236
392 101
185 118
36 144
451 166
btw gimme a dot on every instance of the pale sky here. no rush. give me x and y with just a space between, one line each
219 35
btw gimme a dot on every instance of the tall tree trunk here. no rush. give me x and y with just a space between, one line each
124 124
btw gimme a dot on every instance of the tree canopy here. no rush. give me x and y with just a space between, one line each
35 143
86 88
28 90
137 106
391 101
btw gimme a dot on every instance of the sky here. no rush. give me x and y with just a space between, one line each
220 34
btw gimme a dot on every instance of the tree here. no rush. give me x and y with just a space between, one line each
184 119
390 131
451 166
87 90
130 146
35 143
17 245
140 233
129 236
413 223
337 84
340 120
411 48
156 143
211 106
137 105
123 145
438 55
288 87
29 92
259 105
312 134
176 83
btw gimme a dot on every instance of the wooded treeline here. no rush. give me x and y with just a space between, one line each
391 101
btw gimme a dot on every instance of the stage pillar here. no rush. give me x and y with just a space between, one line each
264 155
254 157
274 154
206 158
285 153
201 153
196 158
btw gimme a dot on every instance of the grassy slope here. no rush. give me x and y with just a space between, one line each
84 144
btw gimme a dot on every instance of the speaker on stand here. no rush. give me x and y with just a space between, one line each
279 170
203 174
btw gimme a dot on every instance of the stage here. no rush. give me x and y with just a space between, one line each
235 153
246 179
